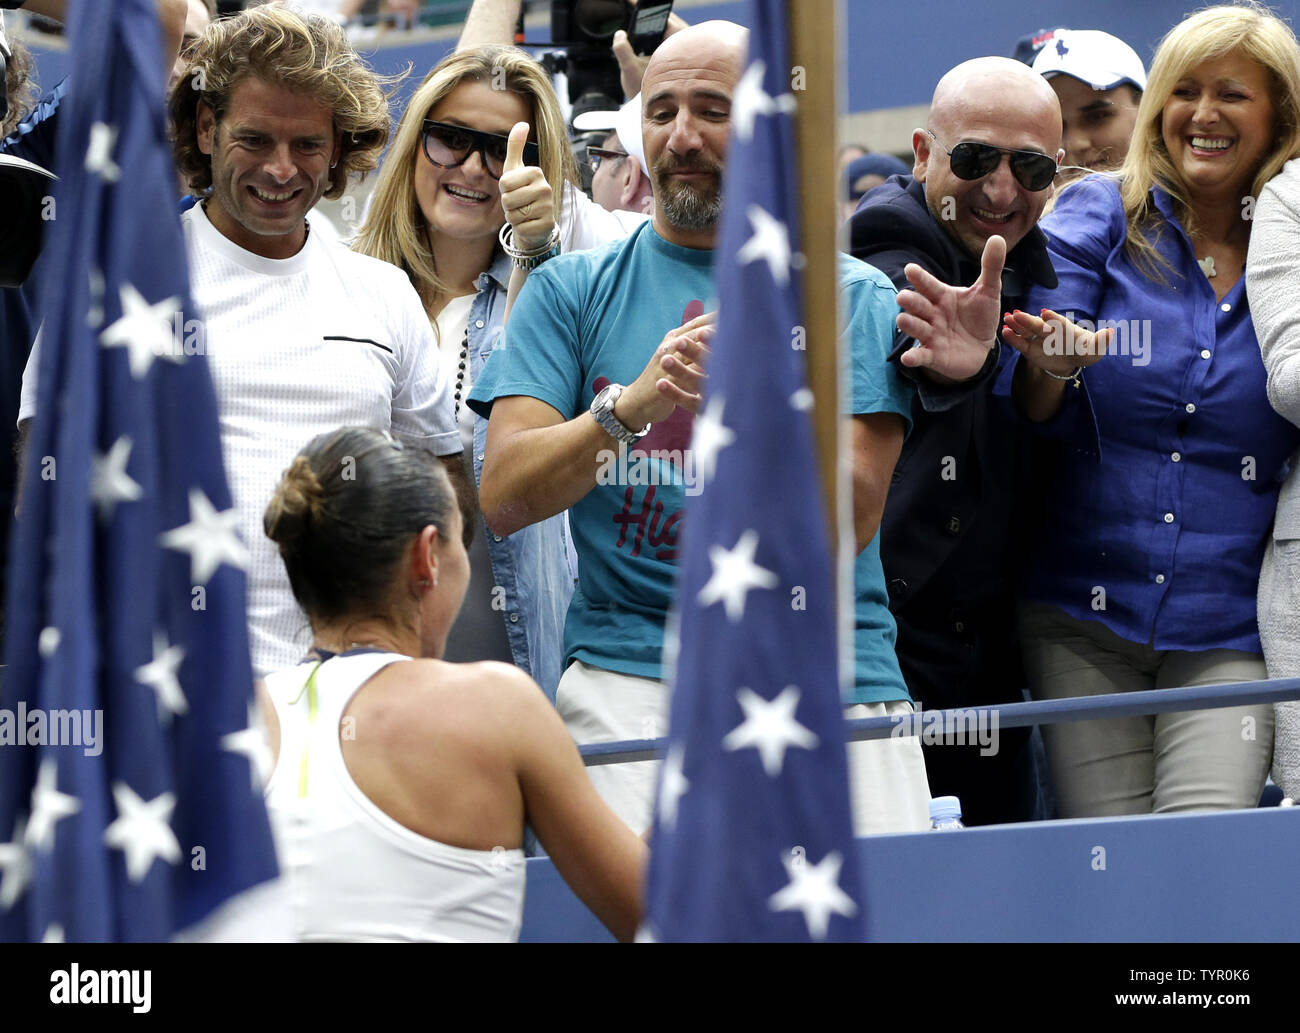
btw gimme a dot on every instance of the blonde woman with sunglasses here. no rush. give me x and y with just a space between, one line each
480 161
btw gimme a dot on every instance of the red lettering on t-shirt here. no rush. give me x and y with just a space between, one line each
649 523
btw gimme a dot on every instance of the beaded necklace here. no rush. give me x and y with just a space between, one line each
460 372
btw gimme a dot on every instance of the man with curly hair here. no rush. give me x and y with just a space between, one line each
302 335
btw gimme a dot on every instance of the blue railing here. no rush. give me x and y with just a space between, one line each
1227 876
1009 715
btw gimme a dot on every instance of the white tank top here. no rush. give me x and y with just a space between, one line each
355 873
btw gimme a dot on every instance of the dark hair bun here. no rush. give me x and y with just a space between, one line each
298 504
345 513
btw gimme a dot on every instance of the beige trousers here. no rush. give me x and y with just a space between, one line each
888 787
1200 760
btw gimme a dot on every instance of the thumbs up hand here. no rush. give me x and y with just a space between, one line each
525 194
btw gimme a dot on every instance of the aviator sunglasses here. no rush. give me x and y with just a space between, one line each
449 146
1033 169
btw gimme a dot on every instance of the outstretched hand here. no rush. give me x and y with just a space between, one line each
1052 343
525 194
955 327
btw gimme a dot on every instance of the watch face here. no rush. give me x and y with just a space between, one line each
603 399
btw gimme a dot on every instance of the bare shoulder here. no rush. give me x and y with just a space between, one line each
487 681
468 699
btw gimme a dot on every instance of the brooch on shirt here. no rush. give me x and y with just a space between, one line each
1207 265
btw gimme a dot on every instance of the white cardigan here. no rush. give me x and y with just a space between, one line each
1273 287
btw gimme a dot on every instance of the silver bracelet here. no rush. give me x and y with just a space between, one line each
1072 377
528 258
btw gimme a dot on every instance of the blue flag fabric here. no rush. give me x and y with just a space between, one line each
753 834
130 806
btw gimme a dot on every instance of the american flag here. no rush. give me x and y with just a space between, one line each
753 837
126 640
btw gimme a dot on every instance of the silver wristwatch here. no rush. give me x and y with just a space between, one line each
602 408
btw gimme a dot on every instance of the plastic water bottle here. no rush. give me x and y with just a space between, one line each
945 813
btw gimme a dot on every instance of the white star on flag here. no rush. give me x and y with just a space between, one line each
48 806
814 890
673 786
770 242
711 436
251 742
48 641
160 675
802 400
209 538
144 330
99 154
750 100
16 861
770 728
109 481
142 830
53 934
735 574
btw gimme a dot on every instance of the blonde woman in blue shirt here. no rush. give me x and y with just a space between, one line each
1160 502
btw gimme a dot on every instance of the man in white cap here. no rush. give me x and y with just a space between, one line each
1099 80
620 180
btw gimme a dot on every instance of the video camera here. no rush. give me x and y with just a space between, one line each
585 29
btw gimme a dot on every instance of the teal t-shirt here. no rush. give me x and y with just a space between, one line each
870 310
590 318
584 320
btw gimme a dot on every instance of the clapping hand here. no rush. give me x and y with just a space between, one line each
673 377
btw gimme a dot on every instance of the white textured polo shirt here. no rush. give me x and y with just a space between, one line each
297 347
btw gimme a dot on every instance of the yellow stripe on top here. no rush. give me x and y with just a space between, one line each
313 707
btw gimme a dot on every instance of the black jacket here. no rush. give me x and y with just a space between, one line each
959 508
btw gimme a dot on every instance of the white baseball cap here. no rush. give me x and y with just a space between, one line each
626 121
1097 58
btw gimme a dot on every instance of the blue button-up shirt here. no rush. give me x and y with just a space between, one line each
534 567
1161 537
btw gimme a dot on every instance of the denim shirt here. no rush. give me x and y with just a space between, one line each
533 566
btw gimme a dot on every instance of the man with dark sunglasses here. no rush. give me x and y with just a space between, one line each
985 167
